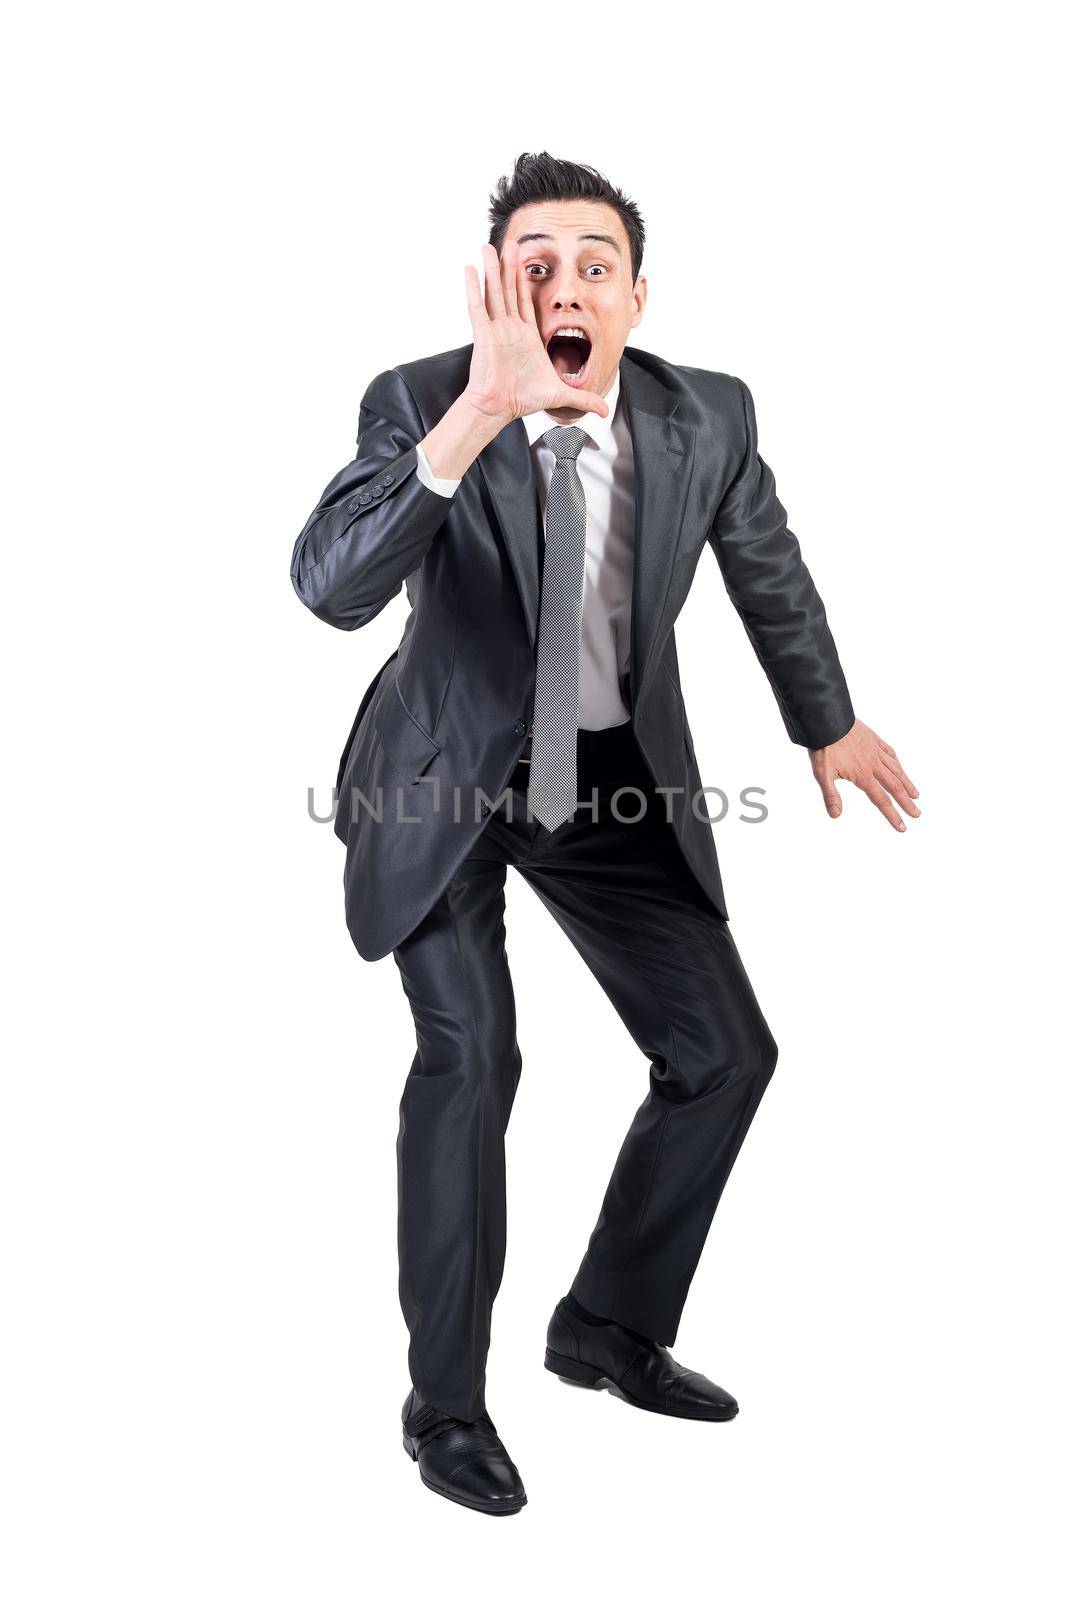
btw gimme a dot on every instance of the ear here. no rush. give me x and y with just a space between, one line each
641 289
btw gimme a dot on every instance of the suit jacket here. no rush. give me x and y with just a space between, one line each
456 699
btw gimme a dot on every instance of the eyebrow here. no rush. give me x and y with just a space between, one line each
601 238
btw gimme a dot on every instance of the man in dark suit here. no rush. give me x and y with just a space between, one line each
545 494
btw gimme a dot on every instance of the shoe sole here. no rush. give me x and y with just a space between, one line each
460 1499
581 1376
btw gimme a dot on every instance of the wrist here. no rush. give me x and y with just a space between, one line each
483 422
459 438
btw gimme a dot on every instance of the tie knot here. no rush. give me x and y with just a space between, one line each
566 443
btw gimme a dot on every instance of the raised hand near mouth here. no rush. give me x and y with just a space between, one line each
511 373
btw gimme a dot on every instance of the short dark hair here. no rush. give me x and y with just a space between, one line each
545 177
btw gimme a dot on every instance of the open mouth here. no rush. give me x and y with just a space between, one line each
570 350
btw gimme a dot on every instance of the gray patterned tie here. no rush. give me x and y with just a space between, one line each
552 793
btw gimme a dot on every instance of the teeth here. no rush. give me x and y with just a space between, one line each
569 333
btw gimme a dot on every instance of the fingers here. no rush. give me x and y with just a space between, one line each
509 257
875 769
475 306
906 780
526 299
881 801
831 798
902 776
891 782
579 400
491 271
890 757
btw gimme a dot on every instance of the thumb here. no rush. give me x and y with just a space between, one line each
831 798
586 400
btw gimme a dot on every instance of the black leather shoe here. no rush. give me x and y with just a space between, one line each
464 1461
636 1369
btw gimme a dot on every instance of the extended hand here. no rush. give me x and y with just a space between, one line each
868 761
511 374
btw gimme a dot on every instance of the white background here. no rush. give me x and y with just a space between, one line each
225 220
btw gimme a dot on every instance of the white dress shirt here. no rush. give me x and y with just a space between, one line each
606 472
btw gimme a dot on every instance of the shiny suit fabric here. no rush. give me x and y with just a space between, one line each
619 887
437 743
448 713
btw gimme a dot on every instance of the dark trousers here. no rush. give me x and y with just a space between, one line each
624 895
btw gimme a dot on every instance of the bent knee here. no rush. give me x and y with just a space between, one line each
769 1053
474 1059
746 1060
756 1057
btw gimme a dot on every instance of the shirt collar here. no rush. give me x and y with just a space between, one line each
599 428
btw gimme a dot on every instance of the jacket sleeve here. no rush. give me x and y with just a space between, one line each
774 595
375 521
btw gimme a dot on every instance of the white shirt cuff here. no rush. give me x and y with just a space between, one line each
445 486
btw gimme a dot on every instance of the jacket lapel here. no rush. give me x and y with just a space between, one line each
507 467
663 466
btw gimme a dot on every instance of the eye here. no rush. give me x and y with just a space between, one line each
597 267
535 266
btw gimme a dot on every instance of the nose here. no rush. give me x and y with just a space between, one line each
566 290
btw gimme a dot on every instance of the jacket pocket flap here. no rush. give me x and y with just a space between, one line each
407 745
